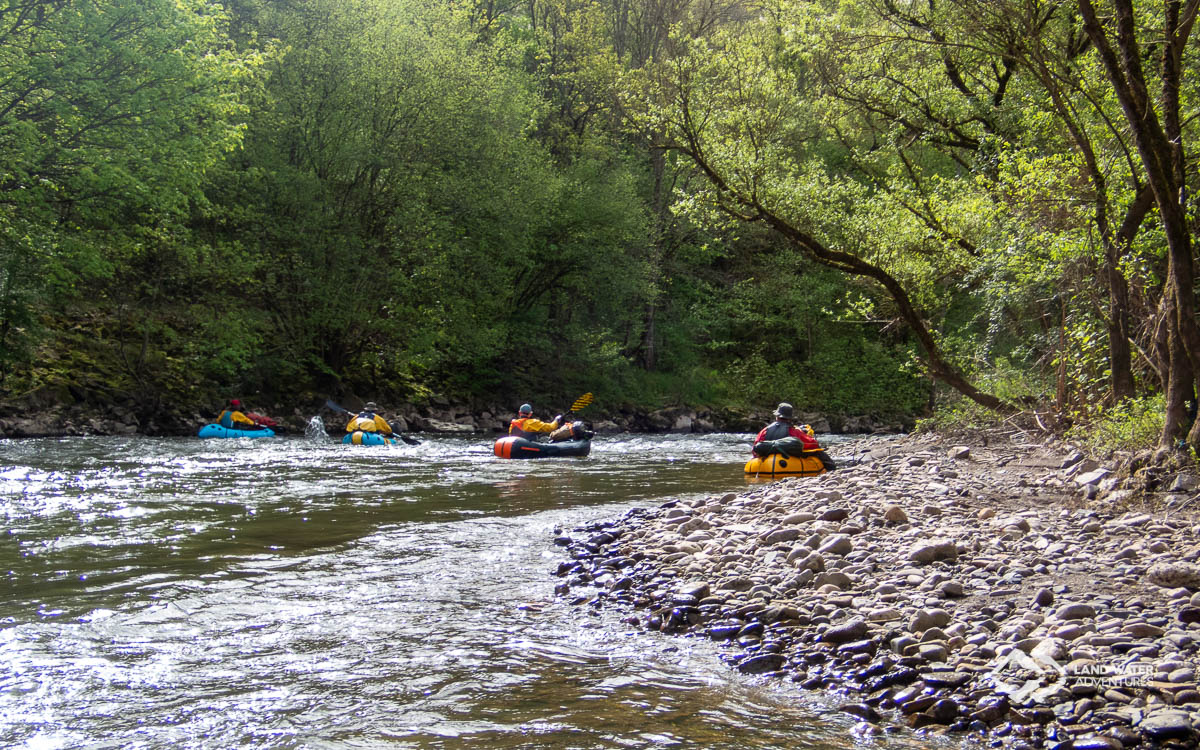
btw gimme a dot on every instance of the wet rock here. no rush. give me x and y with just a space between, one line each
855 630
861 711
696 589
949 680
762 664
1166 724
943 711
1096 742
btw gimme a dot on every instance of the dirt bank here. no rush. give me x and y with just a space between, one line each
1011 589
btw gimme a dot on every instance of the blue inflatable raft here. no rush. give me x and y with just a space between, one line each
217 431
358 437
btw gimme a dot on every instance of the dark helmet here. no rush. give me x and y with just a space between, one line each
784 411
235 402
525 409
370 406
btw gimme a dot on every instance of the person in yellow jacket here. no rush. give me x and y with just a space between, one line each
232 417
527 427
368 421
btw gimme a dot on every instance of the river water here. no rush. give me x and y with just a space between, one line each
297 593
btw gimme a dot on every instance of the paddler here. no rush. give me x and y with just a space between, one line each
526 426
368 421
784 426
232 417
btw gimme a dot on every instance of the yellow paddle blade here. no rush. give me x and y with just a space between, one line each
581 402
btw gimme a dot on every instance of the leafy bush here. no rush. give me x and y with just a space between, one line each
1133 425
1010 382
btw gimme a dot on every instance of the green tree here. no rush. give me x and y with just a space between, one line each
110 113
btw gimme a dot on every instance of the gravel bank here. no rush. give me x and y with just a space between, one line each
1015 592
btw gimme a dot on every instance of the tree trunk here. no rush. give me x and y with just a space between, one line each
1159 140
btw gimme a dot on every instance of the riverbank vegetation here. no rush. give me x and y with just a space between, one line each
861 206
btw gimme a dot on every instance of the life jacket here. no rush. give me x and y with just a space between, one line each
364 420
517 427
235 420
777 431
530 427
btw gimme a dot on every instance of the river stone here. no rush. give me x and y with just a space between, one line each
838 544
1172 575
789 534
723 632
951 589
951 680
834 578
855 630
1143 630
943 711
884 614
933 652
1097 742
762 663
697 589
861 711
1091 478
812 561
1076 612
1165 724
735 584
895 514
797 518
931 551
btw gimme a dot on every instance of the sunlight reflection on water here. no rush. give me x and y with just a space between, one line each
302 593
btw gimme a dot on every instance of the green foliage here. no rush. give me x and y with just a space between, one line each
414 200
110 114
1133 425
1010 381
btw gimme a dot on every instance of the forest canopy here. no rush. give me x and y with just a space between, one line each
865 207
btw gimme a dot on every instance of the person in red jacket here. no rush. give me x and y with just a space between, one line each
784 426
529 428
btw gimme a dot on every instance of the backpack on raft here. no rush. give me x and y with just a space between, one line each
571 431
793 447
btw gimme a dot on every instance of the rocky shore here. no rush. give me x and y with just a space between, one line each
1010 590
55 419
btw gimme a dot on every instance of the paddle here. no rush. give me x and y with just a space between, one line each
337 408
579 404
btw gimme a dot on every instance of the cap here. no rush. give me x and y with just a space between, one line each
235 402
370 406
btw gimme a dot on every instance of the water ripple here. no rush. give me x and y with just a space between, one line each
300 593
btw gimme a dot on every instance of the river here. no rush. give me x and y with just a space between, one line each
297 593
